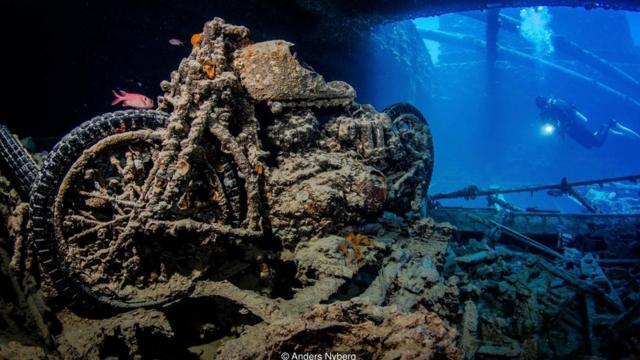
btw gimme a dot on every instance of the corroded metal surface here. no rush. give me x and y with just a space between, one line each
251 157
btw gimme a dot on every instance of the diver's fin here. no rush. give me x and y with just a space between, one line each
623 130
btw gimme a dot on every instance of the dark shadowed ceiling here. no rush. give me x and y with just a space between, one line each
61 59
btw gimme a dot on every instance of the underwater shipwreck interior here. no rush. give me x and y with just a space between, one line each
299 179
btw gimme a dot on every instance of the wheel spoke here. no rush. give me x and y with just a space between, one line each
116 164
96 228
111 199
84 219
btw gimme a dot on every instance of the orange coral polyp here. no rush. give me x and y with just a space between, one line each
210 70
356 241
196 39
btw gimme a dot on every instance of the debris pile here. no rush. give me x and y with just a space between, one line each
618 198
534 302
512 305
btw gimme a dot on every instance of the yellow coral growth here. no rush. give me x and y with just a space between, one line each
356 241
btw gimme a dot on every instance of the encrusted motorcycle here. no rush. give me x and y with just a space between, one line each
248 155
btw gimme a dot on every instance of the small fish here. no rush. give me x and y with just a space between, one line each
176 42
133 100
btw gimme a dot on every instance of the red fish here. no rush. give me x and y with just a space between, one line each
133 100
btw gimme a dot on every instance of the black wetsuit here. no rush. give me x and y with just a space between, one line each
570 124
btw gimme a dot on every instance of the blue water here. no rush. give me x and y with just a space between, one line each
485 122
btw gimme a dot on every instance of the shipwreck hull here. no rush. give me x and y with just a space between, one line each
263 211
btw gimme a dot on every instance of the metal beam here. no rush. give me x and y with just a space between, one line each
469 41
472 191
389 11
527 241
570 48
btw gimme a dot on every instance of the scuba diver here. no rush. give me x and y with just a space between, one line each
561 115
